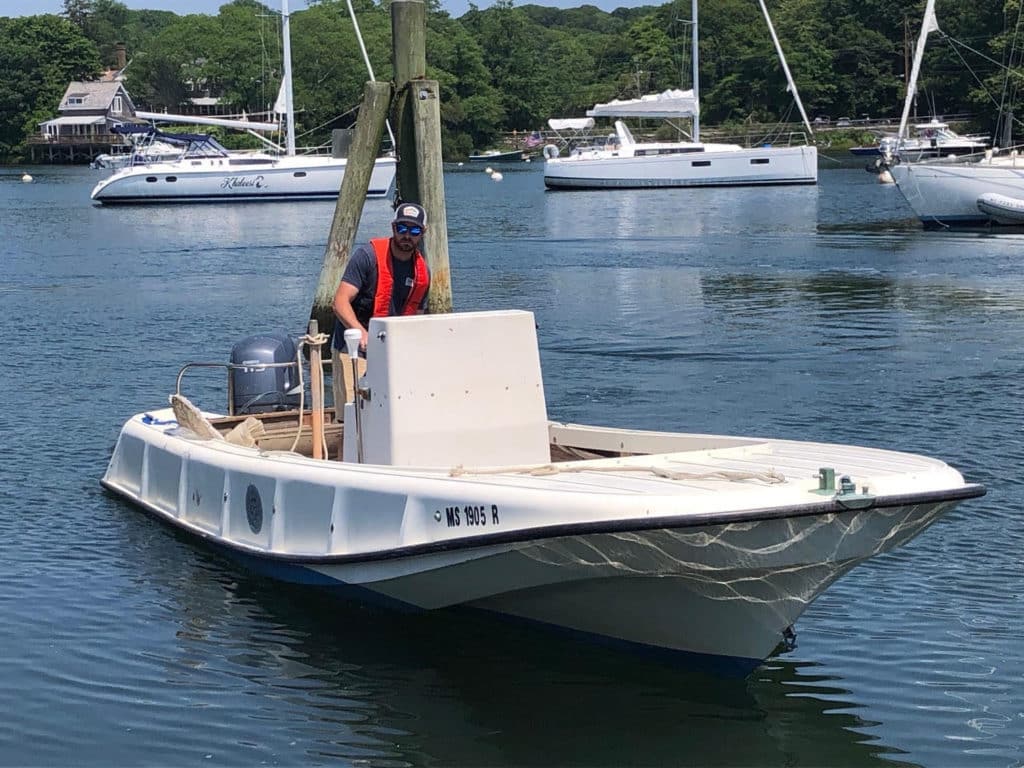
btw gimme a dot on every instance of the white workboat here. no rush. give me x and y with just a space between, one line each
204 175
448 487
627 163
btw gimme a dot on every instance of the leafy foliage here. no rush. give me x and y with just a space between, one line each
510 67
39 56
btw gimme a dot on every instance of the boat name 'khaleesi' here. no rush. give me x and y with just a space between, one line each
234 182
472 514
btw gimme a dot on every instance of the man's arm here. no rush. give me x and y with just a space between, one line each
343 310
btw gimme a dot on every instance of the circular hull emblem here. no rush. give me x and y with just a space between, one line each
254 509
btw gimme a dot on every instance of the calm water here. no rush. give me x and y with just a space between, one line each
814 313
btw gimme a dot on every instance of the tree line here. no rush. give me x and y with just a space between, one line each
509 68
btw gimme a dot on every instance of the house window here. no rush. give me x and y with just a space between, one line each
116 107
76 100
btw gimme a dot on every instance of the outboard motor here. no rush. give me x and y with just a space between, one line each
259 390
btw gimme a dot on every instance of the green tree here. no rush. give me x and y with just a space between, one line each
39 56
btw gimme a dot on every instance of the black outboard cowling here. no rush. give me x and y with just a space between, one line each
259 390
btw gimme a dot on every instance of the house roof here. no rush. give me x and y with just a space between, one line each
77 120
95 96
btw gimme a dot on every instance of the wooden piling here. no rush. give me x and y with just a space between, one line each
417 116
426 111
354 184
419 175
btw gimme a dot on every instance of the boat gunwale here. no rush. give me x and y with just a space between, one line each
523 535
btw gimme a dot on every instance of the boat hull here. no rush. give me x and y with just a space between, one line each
220 180
947 194
515 156
679 572
743 167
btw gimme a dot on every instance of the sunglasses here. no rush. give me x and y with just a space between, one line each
413 230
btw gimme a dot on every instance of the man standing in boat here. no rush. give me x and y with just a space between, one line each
387 276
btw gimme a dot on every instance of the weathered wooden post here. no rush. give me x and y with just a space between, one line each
420 176
363 153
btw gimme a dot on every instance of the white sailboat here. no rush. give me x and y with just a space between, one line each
984 188
226 176
627 163
447 486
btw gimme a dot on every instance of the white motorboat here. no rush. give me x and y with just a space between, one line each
447 486
221 175
931 139
143 144
626 163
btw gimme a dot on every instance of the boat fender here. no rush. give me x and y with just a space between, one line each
550 152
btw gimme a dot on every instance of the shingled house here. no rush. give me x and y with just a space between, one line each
89 109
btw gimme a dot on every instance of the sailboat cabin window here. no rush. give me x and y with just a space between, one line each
700 163
759 161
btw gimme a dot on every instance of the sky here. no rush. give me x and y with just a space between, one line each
454 7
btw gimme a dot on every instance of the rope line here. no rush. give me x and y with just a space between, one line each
771 477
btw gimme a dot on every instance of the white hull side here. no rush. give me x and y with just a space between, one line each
224 180
690 567
947 194
743 167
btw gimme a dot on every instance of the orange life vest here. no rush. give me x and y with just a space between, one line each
386 281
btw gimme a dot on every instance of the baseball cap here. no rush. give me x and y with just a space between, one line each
411 213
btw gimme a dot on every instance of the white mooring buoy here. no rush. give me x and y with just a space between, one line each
26 178
496 176
489 170
885 177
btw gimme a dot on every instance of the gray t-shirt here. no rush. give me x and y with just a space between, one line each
361 272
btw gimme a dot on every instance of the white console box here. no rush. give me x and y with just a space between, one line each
455 389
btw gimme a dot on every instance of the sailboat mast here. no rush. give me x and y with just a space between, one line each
928 24
785 67
696 73
289 104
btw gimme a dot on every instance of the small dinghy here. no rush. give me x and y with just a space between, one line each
448 486
1002 209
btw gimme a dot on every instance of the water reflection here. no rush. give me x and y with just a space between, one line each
460 690
642 214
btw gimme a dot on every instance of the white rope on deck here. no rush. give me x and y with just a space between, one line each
771 477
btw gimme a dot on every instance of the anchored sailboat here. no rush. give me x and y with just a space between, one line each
975 189
629 163
219 175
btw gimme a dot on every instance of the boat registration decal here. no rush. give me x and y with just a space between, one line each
470 515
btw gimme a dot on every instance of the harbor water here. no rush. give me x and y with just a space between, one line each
819 313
